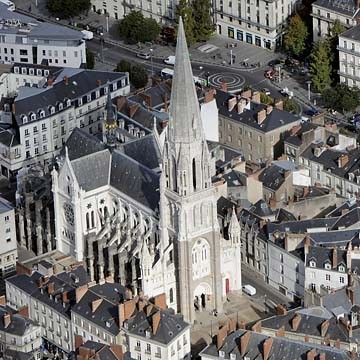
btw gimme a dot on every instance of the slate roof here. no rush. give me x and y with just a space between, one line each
5 206
261 209
335 298
310 324
170 325
282 348
233 178
284 215
80 144
272 177
80 83
276 119
223 206
329 159
332 238
19 325
18 355
348 219
352 33
296 138
8 138
345 7
322 256
135 180
346 206
145 150
101 351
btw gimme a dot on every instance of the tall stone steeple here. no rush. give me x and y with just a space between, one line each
189 163
188 206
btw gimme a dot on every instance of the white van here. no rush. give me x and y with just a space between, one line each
87 35
170 60
248 289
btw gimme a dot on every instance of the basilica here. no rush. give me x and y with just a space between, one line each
145 213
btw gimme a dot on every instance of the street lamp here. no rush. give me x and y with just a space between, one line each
309 94
107 21
151 60
278 69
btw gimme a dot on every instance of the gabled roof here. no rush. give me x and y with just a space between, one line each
272 177
345 7
323 256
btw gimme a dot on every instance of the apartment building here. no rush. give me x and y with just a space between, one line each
325 12
349 56
253 128
19 334
45 111
26 40
258 22
8 253
160 10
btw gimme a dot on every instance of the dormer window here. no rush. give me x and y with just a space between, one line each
351 176
31 71
312 263
68 102
16 70
24 119
52 110
105 90
341 268
61 106
23 71
46 72
327 266
32 116
38 72
89 98
114 86
97 94
80 101
42 113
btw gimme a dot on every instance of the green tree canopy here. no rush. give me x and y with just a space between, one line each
67 8
90 59
185 10
203 27
320 66
290 105
134 27
137 73
296 35
342 97
332 40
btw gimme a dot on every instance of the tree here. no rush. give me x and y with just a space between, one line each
342 97
296 35
68 8
185 10
332 40
123 66
90 59
134 27
320 67
138 76
291 106
202 17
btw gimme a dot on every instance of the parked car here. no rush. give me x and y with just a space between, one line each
266 91
170 60
248 289
269 74
145 56
286 92
311 112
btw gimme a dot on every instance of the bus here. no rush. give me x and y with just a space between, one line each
169 73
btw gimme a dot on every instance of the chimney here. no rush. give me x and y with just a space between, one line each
65 297
295 129
269 109
261 116
221 336
242 325
148 309
241 106
209 95
257 327
279 105
156 321
146 98
343 160
141 304
307 245
280 310
322 356
306 191
80 292
40 282
231 326
281 331
306 339
311 354
51 288
267 344
78 341
66 80
129 307
24 311
256 97
160 301
98 83
50 81
3 300
350 294
324 327
337 343
334 257
231 103
132 110
353 354
223 87
121 314
244 341
7 320
348 255
295 321
246 94
117 350
95 304
120 102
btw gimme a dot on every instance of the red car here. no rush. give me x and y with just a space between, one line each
270 74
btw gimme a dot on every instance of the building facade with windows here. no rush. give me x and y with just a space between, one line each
26 40
325 12
47 110
257 22
8 255
349 56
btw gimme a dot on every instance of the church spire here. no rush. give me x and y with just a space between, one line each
110 120
185 119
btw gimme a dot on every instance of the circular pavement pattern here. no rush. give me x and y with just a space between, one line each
233 81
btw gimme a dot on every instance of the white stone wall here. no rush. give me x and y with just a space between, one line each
319 278
349 60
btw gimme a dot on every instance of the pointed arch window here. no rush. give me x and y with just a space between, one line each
92 219
194 173
87 221
171 295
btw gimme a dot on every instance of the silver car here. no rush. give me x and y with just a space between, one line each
145 56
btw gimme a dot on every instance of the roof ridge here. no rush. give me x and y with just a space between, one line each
88 155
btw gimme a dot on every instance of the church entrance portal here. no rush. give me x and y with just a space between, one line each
202 297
